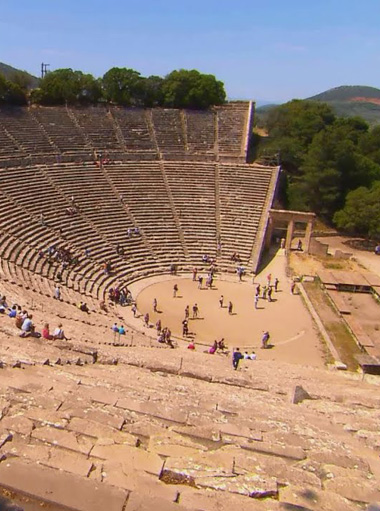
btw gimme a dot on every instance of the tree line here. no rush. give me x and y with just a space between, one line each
121 86
331 165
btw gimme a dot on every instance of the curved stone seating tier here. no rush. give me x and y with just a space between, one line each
8 145
60 134
200 131
182 210
26 131
243 193
232 127
192 186
99 127
180 432
134 126
169 129
143 188
61 128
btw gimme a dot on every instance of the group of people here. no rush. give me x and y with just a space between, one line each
24 322
121 296
237 355
266 292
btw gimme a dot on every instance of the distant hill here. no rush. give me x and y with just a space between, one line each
346 101
8 71
353 100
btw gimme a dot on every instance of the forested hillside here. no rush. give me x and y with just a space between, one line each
331 164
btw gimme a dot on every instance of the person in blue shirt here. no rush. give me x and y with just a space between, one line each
121 330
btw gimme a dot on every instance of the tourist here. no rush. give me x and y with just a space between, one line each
236 357
269 279
175 290
122 330
270 291
185 328
115 328
221 301
155 304
59 333
187 312
265 290
195 271
195 311
134 310
247 356
276 282
57 293
146 320
213 348
221 345
230 307
200 282
158 326
27 326
256 301
13 311
253 356
258 289
265 339
83 307
191 345
46 333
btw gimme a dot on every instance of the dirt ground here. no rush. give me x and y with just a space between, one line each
293 333
366 311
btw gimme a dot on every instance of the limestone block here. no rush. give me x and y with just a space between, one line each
68 461
284 451
313 499
17 424
132 458
97 430
299 395
60 488
64 439
353 488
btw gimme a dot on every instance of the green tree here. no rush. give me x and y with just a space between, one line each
11 93
192 89
370 144
361 212
67 86
150 92
122 86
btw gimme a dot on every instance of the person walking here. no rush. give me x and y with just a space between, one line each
221 301
236 357
155 304
270 291
276 282
256 301
175 290
265 340
195 311
230 307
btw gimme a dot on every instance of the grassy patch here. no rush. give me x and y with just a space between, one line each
335 326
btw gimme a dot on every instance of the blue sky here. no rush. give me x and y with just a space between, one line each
268 50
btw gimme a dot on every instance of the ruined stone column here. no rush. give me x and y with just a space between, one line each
289 235
308 233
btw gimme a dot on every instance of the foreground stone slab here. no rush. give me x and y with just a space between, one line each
315 500
132 458
139 502
291 452
60 488
63 439
210 500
